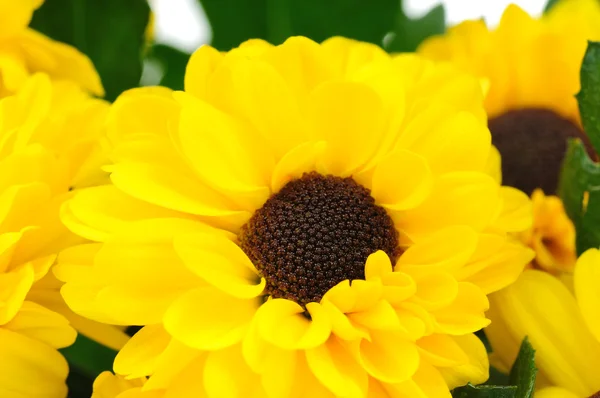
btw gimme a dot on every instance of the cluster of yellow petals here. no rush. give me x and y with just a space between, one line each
527 62
23 51
189 169
561 317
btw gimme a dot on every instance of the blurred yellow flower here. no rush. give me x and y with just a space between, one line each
48 147
531 69
552 235
303 220
24 51
562 321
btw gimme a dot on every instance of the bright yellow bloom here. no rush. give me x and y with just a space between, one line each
107 385
304 220
48 146
24 51
552 235
562 321
531 68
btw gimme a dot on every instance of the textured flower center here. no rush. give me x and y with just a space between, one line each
533 143
314 233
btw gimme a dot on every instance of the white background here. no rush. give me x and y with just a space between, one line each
182 23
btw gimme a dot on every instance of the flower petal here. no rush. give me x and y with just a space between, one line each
301 159
282 323
466 314
138 357
586 282
336 368
220 262
476 370
349 117
208 319
402 180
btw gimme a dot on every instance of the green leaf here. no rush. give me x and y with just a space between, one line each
471 391
110 32
579 175
523 371
88 357
173 63
409 33
365 20
549 5
235 21
589 95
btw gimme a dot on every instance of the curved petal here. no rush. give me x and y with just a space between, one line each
446 250
335 367
14 286
226 375
283 323
555 327
401 180
586 282
516 214
466 314
389 357
224 153
435 291
208 319
36 370
475 370
301 159
350 118
220 262
43 325
139 355
199 69
555 392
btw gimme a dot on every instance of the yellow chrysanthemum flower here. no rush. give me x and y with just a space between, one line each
552 235
24 51
562 320
49 146
303 220
531 67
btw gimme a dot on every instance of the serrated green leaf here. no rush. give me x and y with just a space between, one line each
484 391
88 357
589 95
579 175
523 371
409 33
110 32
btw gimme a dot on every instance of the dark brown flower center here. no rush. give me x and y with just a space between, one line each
314 233
533 143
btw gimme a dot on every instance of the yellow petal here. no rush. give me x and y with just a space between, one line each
224 153
453 191
476 368
445 250
138 357
586 282
61 61
36 370
108 385
189 382
254 91
442 351
555 392
14 286
16 16
96 212
301 159
220 262
466 313
349 117
43 325
177 360
555 327
335 367
389 357
517 212
208 319
380 316
227 376
401 181
199 68
427 382
282 323
435 291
